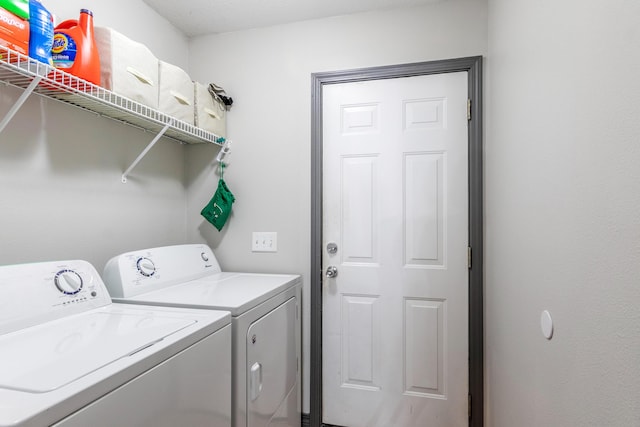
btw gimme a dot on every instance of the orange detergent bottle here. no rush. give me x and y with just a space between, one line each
74 48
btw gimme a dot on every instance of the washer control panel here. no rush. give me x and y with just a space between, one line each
48 290
74 283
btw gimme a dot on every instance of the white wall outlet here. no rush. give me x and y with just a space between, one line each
264 241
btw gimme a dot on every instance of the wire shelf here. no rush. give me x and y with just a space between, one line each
20 71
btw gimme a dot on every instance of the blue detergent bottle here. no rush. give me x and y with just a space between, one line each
40 32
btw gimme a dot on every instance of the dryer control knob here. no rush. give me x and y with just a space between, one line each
146 267
68 282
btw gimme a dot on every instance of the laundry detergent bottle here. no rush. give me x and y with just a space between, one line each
40 32
74 48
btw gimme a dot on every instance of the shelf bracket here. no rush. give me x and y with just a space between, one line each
19 102
145 151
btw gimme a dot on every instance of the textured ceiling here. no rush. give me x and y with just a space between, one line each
198 17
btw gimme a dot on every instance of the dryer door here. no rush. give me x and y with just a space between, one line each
272 368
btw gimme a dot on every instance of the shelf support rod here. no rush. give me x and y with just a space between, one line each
19 102
145 151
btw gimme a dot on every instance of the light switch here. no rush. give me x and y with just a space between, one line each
264 241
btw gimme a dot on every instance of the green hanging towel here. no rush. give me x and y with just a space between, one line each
219 207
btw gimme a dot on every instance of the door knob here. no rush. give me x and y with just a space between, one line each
332 272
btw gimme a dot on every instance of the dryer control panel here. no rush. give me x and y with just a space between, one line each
38 292
137 272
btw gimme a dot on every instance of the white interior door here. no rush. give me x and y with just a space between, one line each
395 204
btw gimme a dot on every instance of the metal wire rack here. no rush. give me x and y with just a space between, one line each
35 77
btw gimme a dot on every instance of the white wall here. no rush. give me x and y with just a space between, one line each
60 167
268 74
562 213
562 177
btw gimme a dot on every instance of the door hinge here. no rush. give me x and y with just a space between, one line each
469 257
469 406
468 109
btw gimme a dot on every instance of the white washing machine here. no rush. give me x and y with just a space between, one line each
69 357
265 310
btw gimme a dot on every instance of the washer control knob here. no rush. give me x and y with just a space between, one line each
146 267
204 256
68 282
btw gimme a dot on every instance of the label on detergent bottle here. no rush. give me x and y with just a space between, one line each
63 52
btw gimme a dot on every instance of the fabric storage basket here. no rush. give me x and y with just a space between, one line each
210 114
175 96
127 68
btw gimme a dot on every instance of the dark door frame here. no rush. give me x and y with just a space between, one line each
473 66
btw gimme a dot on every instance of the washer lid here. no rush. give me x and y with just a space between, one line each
234 292
48 356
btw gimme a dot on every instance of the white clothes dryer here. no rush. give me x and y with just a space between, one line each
265 313
69 357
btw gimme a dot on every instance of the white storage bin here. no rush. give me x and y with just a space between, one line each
210 114
175 96
127 67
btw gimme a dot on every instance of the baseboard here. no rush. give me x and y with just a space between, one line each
306 421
